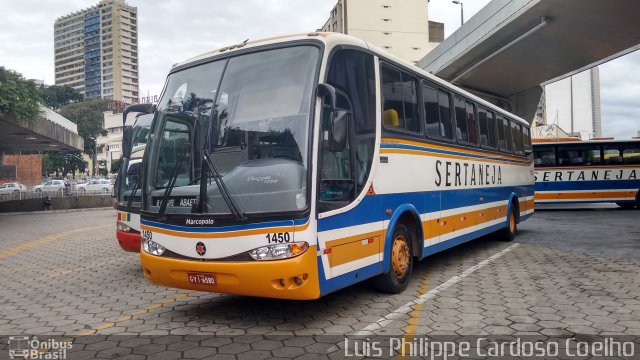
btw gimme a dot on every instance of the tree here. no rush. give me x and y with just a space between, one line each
75 163
56 97
115 165
18 97
88 116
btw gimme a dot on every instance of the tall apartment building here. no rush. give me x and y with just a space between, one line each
573 104
96 51
401 27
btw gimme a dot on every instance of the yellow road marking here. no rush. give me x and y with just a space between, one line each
414 318
45 239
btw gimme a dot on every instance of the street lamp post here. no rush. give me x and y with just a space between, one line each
461 11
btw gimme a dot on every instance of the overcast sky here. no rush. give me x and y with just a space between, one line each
172 30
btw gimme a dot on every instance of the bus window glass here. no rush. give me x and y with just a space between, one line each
471 123
544 156
444 101
612 155
399 91
631 155
526 138
487 128
516 138
504 141
173 151
461 120
351 73
430 101
578 155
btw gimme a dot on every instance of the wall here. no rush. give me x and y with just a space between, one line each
57 203
29 169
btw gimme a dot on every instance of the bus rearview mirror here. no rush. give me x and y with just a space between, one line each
126 141
328 91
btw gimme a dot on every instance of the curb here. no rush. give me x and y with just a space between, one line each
56 211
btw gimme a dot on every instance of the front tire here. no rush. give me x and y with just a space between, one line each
509 233
396 280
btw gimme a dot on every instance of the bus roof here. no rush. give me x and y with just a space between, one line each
332 39
555 141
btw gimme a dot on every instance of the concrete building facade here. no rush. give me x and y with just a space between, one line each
401 27
109 147
573 104
96 51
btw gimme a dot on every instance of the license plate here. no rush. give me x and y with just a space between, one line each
202 278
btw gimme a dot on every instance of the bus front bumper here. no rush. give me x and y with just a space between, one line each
295 278
129 241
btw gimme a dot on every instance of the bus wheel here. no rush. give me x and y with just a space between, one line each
509 233
401 256
626 206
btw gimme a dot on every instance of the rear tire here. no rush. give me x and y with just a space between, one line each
626 206
509 233
401 255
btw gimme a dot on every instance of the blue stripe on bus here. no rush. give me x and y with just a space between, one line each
371 209
439 151
587 185
270 224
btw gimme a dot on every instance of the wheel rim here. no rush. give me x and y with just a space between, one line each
512 222
400 257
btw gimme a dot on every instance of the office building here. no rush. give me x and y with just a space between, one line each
573 104
401 27
96 51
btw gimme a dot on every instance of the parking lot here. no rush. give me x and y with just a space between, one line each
569 273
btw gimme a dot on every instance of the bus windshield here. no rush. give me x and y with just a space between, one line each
251 115
128 184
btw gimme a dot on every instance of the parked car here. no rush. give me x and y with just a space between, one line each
51 186
95 186
12 190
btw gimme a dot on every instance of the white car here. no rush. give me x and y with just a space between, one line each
51 186
12 190
95 186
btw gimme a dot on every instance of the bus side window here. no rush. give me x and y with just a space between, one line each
432 117
462 133
504 140
444 104
631 155
487 128
612 155
544 156
526 139
516 137
471 123
400 96
579 155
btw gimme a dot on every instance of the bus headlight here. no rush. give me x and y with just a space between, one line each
123 227
153 247
279 251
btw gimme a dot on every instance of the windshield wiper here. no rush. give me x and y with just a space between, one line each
172 180
224 191
133 192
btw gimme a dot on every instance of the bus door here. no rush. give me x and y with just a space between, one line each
350 217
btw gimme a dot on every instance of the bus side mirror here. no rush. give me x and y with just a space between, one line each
328 91
339 130
126 141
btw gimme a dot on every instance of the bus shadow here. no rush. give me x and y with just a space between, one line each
352 302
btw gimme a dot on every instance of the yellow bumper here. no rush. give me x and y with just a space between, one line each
259 278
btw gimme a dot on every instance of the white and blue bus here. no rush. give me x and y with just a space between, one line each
571 171
296 166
